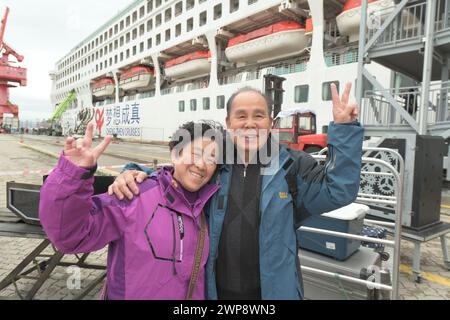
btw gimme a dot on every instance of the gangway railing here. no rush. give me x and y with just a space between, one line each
395 201
377 110
409 24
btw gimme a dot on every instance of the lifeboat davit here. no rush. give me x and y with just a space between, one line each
137 77
192 65
279 40
103 87
349 20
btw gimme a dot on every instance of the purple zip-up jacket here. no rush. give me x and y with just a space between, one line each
152 239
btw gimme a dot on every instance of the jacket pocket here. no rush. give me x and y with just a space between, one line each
164 232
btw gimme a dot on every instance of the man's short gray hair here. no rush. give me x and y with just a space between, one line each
249 89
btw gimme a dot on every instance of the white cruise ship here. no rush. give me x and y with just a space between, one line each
160 63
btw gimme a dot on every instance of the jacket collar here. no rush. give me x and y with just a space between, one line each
174 197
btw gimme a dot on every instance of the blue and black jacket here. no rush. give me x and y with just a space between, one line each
320 189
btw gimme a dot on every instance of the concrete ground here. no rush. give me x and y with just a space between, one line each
22 164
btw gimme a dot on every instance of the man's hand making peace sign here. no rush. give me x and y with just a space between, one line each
81 151
343 112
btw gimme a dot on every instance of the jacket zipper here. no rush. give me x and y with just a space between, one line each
181 229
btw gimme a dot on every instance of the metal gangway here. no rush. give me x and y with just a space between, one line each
392 171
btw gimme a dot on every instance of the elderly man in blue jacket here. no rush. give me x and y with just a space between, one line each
253 246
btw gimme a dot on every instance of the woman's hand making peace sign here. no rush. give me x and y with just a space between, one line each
81 152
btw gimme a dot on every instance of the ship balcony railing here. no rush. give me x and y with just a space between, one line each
378 111
299 65
338 57
409 24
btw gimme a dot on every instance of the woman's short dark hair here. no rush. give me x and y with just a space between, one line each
190 131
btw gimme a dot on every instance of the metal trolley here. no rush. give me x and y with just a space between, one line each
395 172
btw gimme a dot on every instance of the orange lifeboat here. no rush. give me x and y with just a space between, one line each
103 87
192 65
137 77
349 20
309 26
276 41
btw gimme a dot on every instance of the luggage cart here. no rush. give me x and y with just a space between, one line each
395 201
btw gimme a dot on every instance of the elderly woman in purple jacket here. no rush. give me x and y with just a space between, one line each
158 242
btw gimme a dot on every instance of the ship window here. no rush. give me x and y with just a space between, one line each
128 53
206 103
121 56
149 43
234 5
301 93
190 24
218 11
116 44
116 29
110 61
110 32
141 12
121 25
220 102
127 21
168 15
141 29
203 18
149 25
106 63
167 35
158 20
181 106
121 40
158 39
135 32
177 30
134 50
115 59
101 38
149 6
158 3
127 37
178 8
110 47
252 1
193 104
134 16
141 47
190 4
326 90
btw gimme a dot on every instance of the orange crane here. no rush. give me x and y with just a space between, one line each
9 74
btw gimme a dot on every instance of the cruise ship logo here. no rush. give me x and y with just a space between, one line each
99 120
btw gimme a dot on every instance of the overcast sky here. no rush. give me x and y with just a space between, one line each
44 31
